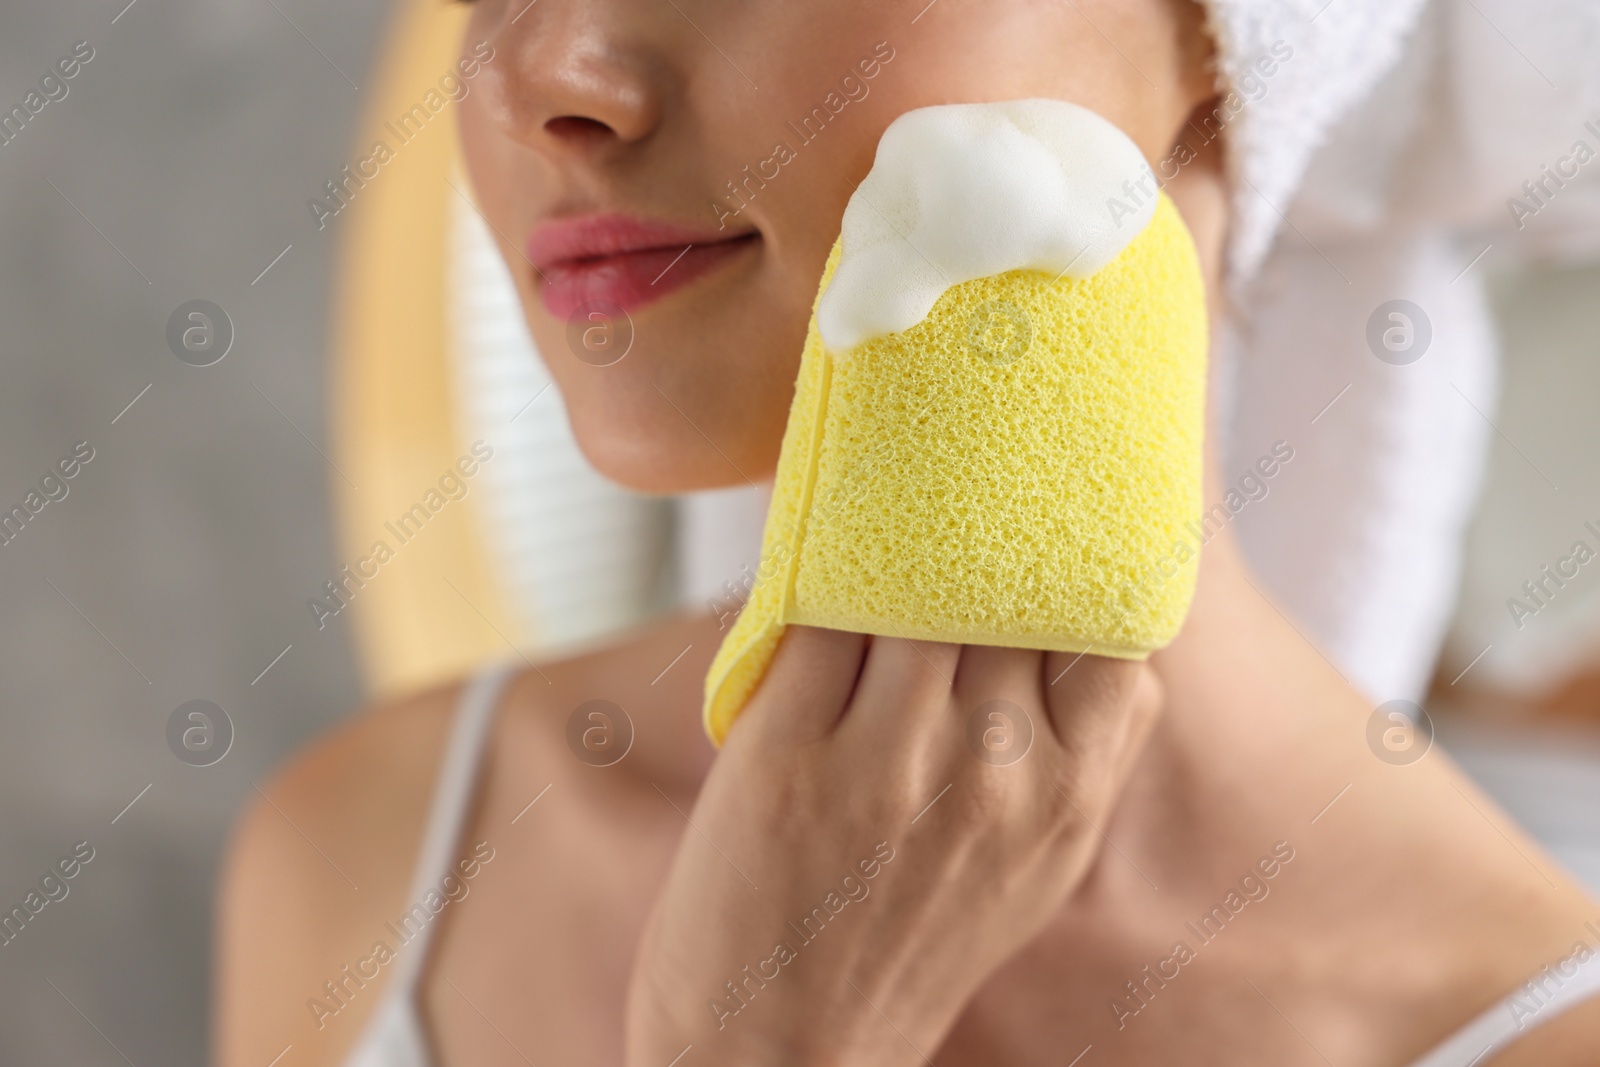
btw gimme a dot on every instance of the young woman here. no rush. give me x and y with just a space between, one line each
1200 857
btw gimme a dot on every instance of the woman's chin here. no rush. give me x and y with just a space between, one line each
664 460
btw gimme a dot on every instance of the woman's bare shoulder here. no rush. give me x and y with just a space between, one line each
345 803
321 854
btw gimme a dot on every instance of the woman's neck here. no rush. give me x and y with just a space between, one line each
1409 901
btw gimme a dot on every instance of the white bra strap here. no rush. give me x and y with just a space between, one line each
1557 988
453 793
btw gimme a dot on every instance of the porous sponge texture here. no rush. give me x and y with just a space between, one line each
1009 471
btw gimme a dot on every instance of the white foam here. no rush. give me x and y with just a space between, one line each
965 191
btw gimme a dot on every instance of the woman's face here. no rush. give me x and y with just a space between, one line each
667 176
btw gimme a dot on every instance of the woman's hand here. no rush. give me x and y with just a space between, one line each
887 823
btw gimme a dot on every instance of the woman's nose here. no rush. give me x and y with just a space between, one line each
565 79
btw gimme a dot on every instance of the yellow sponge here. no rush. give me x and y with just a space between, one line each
1006 472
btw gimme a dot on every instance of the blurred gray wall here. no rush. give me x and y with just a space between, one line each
178 564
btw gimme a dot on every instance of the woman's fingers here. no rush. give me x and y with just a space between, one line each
1101 711
809 682
905 684
998 703
988 672
1092 713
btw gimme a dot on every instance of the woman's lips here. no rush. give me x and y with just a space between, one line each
622 261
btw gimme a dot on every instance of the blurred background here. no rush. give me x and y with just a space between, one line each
176 168
220 499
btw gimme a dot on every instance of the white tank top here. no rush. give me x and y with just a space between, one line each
397 1035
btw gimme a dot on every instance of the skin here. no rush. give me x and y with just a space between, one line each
1018 905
